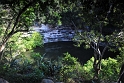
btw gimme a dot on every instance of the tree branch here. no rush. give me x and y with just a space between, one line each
104 50
20 31
98 51
20 13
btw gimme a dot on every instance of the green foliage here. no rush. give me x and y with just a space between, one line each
18 45
28 16
31 75
32 41
18 64
88 71
1 31
71 68
23 70
29 42
64 70
3 69
51 69
19 14
69 60
35 56
109 69
120 58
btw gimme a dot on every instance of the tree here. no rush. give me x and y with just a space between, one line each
18 15
102 24
99 17
14 21
96 14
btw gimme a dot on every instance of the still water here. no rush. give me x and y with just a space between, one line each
55 50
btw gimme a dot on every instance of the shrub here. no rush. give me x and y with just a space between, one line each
32 77
88 71
20 65
32 41
71 68
109 69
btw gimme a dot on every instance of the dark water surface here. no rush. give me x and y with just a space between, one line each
55 50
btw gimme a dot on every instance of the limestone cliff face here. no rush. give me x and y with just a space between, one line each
55 34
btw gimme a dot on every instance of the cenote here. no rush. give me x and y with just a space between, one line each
54 50
59 41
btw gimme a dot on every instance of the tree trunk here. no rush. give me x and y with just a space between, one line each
96 65
97 59
121 75
2 47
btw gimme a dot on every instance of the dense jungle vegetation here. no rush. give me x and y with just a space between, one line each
102 22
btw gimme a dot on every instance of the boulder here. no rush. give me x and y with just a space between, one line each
3 81
47 81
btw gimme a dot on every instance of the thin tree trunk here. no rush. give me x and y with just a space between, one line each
2 47
1 54
121 75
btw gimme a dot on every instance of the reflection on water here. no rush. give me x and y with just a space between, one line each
56 49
